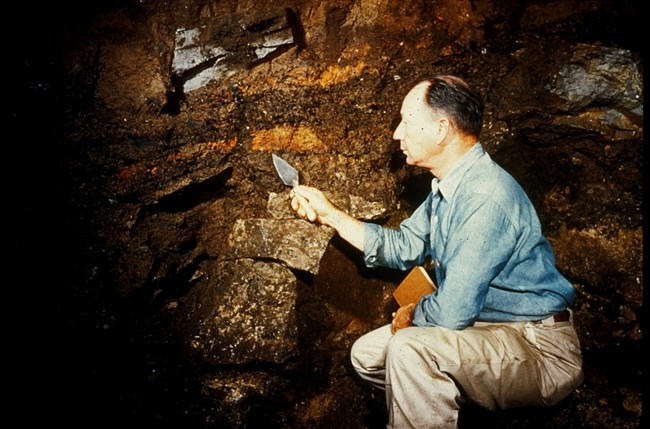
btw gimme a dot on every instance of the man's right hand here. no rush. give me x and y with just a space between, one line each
310 203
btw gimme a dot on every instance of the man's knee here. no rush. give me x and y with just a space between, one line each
355 356
401 346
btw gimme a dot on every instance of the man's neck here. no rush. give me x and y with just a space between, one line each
454 150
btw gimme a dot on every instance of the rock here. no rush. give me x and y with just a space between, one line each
243 312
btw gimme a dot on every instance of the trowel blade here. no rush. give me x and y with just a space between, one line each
287 173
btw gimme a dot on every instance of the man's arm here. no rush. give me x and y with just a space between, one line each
310 203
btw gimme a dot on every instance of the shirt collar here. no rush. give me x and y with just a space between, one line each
448 185
435 185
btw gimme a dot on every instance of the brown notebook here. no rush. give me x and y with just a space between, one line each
414 286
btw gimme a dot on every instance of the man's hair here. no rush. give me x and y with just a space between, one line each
457 99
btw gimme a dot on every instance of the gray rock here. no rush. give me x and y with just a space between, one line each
247 314
297 243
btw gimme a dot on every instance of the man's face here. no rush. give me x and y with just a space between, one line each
418 131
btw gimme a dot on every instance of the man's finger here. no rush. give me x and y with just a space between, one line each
305 191
301 201
311 214
295 204
305 209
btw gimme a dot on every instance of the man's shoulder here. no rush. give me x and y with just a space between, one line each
488 179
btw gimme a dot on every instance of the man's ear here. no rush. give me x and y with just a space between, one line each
442 128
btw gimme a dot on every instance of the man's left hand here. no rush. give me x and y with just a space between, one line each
403 317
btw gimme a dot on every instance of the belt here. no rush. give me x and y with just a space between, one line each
562 316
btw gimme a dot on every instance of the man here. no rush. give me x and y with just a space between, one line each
498 331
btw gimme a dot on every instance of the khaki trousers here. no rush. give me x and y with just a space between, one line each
428 372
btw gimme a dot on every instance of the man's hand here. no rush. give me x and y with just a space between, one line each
403 317
311 204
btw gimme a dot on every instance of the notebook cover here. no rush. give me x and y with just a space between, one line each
414 286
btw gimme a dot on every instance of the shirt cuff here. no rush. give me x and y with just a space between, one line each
419 316
371 243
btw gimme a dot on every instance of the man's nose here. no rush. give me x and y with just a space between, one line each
398 133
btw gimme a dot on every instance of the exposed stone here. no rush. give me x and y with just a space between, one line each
220 48
603 89
610 123
245 314
598 75
235 394
297 243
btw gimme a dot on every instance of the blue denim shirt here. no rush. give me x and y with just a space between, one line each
491 261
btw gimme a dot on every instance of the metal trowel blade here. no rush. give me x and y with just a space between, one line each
287 173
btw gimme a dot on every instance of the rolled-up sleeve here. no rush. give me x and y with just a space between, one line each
402 247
